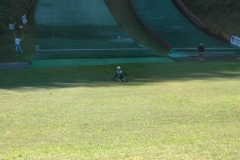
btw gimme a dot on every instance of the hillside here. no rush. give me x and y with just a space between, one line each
12 11
222 14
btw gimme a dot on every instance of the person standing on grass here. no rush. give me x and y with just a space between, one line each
201 49
17 44
119 74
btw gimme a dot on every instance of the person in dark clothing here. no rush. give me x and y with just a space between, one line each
119 74
201 49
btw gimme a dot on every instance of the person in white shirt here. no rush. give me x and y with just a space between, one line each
17 44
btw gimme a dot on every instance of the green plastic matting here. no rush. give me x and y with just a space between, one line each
164 18
90 62
84 29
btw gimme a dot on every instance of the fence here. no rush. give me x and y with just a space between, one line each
149 31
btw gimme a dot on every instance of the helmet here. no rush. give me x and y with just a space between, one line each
118 67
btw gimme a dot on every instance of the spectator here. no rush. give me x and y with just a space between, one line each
201 49
17 44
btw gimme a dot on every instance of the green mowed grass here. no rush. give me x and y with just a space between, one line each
176 111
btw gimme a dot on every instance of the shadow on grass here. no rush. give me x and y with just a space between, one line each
102 76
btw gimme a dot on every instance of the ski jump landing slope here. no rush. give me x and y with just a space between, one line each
82 29
164 18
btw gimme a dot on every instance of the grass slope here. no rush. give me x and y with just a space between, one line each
176 111
8 51
11 12
165 111
222 14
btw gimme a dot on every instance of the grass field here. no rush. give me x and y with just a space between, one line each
171 111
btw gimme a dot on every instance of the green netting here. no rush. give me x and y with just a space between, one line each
70 29
164 18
